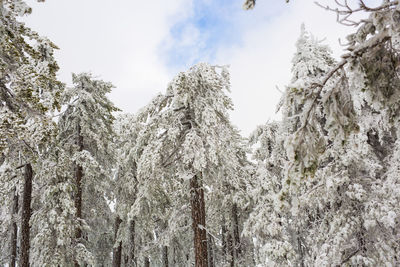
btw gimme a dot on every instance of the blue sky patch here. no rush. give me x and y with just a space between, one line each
211 25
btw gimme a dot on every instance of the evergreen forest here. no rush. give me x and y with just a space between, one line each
176 184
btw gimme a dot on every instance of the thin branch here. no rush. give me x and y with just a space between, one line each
343 15
349 256
181 108
28 146
20 166
363 6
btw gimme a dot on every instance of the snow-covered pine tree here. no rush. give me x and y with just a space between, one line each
86 132
229 209
365 202
54 222
296 146
351 204
127 128
187 142
343 204
267 222
29 90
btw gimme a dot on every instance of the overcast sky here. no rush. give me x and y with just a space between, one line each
140 46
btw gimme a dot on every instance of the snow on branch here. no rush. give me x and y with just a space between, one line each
345 11
346 58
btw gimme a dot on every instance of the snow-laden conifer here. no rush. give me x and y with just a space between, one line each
187 150
86 133
29 92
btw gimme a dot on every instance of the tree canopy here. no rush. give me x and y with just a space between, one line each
175 184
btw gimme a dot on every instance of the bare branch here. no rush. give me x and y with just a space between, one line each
20 166
344 11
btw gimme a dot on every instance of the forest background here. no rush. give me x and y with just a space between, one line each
175 183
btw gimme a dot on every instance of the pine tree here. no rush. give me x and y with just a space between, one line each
341 136
86 132
29 92
127 128
187 138
296 147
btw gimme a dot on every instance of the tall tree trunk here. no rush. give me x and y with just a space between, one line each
236 236
210 251
146 262
223 233
165 256
126 259
300 249
198 222
14 230
174 255
26 216
117 253
78 192
131 247
230 250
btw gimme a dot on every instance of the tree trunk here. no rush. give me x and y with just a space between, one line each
230 250
117 253
236 236
210 251
300 249
14 230
131 247
26 216
198 222
223 233
146 262
78 192
174 255
165 256
126 260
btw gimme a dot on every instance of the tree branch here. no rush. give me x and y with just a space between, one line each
349 257
357 52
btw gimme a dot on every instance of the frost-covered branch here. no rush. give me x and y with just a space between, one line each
345 11
346 58
349 256
318 94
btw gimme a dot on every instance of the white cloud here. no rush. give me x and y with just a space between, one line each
125 42
118 41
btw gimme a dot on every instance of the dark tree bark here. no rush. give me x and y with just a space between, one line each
14 231
210 251
146 262
236 236
165 256
126 260
117 253
198 222
78 192
230 250
131 247
26 216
